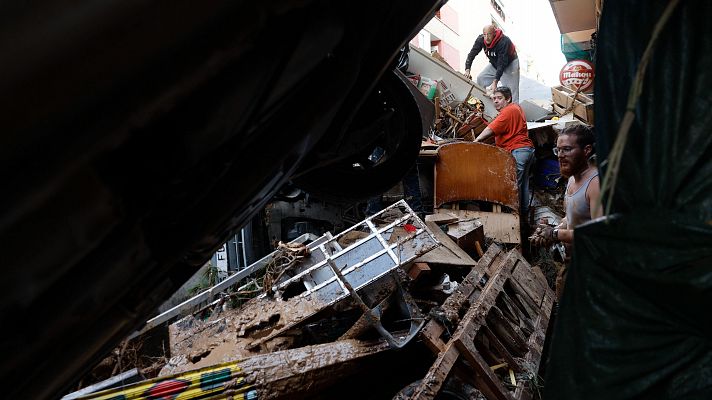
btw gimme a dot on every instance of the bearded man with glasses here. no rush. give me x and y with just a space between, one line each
575 150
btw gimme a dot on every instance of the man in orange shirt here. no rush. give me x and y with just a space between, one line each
510 133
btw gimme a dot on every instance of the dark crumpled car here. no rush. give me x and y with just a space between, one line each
137 135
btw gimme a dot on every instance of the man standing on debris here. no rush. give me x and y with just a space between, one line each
575 150
510 133
503 61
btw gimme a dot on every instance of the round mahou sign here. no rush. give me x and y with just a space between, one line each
577 73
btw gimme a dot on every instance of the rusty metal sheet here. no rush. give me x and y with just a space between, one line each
475 171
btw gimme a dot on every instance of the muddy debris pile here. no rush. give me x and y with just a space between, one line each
391 308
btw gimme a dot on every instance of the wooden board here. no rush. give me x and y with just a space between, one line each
449 253
475 171
502 227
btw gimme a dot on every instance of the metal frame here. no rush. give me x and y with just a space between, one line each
208 295
423 238
361 264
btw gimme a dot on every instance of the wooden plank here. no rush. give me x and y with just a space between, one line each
502 227
441 219
511 305
418 269
467 287
497 344
449 253
466 234
435 378
528 283
430 334
478 247
493 385
536 341
491 260
428 153
511 335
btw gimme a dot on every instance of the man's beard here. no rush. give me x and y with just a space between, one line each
574 167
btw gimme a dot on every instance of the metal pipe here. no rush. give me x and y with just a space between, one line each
242 238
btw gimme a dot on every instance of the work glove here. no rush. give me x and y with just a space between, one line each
543 236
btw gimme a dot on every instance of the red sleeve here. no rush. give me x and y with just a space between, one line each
500 124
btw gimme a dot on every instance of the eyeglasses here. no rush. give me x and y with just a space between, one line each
562 150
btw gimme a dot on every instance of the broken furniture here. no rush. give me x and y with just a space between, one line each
479 173
489 324
495 322
462 108
266 376
335 273
421 63
366 256
328 278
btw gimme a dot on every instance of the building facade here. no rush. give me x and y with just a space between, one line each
529 23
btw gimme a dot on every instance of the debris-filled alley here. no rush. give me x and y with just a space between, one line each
325 310
447 286
463 199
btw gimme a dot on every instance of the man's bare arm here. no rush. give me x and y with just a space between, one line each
592 193
484 135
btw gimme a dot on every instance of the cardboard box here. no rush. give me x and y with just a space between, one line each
563 98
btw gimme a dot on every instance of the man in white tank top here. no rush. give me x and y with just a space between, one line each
574 148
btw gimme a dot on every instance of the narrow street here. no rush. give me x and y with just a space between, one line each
463 199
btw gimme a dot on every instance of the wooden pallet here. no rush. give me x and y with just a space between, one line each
502 331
